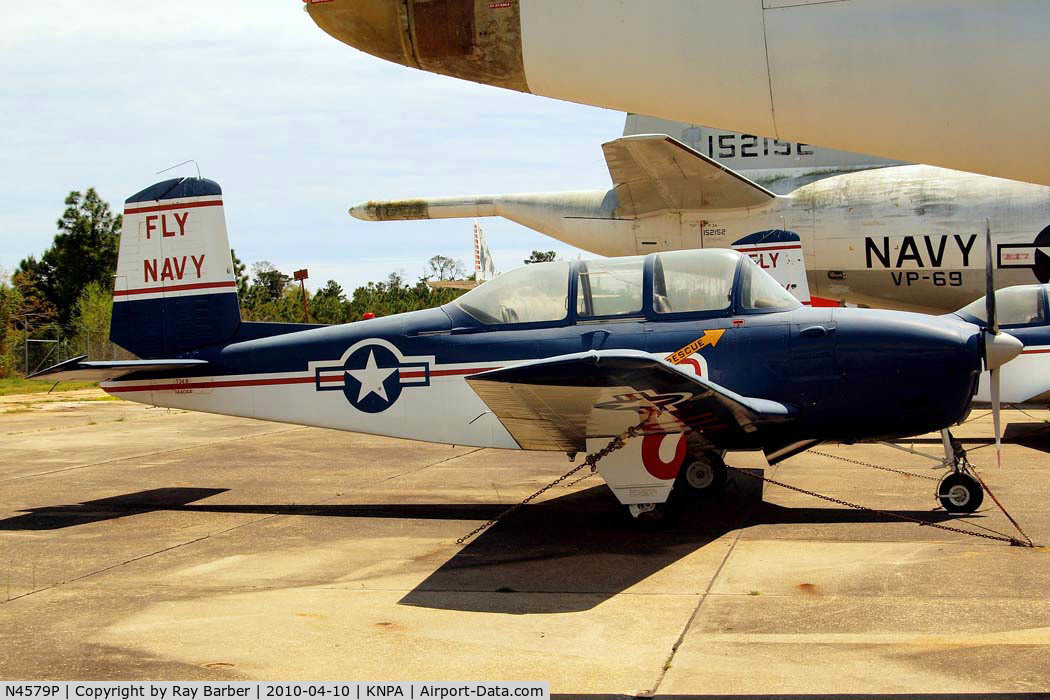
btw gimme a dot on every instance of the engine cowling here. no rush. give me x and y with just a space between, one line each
478 40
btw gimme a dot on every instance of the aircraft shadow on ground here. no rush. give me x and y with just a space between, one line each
1034 436
581 547
183 499
59 517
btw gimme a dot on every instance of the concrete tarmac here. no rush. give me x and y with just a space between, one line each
142 543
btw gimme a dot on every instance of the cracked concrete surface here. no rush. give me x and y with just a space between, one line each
139 543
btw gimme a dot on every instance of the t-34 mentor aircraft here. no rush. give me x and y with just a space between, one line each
698 351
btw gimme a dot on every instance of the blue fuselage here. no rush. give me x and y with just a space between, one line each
852 374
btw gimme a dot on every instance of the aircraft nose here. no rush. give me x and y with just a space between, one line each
478 40
365 211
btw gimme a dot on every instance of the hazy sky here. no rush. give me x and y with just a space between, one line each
295 126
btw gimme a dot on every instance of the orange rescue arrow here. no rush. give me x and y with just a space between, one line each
709 338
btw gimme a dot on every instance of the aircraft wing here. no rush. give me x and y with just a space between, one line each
654 172
82 369
557 403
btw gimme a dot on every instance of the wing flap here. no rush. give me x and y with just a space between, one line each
526 416
558 403
80 368
653 173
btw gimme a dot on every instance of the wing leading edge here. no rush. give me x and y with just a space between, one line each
560 402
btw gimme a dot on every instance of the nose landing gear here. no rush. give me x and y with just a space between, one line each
958 492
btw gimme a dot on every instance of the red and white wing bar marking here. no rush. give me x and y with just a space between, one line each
334 375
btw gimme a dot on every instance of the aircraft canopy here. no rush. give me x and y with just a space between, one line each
683 281
1015 306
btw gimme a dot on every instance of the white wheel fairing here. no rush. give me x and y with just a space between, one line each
625 470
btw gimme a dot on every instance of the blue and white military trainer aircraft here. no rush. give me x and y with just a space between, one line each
701 351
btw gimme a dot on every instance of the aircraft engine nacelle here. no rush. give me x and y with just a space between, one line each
478 40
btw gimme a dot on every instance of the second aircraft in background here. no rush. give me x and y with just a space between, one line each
905 236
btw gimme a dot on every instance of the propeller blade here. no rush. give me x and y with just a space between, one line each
989 280
999 348
995 416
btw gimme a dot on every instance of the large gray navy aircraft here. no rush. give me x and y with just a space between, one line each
892 236
953 83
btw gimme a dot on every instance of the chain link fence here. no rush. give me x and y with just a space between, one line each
45 348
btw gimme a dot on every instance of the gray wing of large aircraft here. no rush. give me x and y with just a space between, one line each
654 172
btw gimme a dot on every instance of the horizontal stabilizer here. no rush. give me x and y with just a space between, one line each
653 173
82 369
558 403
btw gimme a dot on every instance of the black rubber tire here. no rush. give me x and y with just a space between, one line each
960 493
712 475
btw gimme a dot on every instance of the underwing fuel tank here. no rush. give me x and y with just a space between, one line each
953 83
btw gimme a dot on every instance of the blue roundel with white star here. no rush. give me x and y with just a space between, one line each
372 382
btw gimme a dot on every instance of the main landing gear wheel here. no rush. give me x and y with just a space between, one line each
703 475
960 493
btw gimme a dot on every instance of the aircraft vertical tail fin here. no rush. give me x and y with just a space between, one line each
484 268
780 253
175 288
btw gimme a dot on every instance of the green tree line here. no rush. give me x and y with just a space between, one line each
270 295
66 293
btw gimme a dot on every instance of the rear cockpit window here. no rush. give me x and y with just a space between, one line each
1014 306
693 280
537 292
611 287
